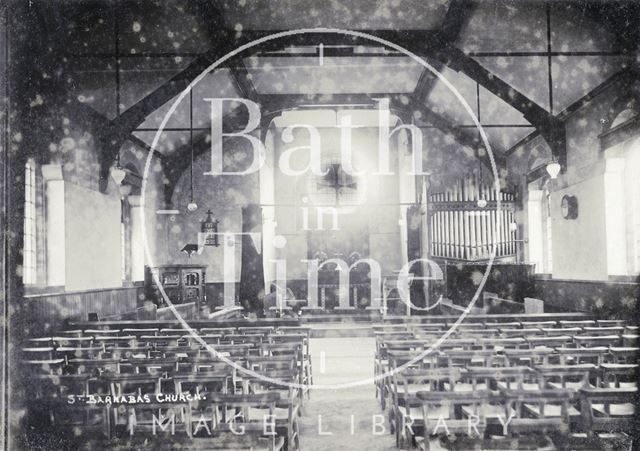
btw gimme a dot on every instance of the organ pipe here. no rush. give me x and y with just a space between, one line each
461 229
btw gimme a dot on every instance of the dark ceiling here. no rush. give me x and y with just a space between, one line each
519 65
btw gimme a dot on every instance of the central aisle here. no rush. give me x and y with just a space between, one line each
348 414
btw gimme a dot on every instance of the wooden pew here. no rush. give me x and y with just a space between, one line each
295 351
558 331
517 332
471 333
552 342
459 343
151 370
577 323
603 330
103 331
289 405
197 324
494 378
140 331
539 411
595 355
39 342
175 339
265 331
619 375
127 352
400 359
538 324
96 366
222 331
197 340
588 341
407 408
254 407
610 322
571 377
161 367
499 343
482 318
525 357
305 364
624 354
454 408
155 424
216 381
67 353
504 324
608 409
122 341
477 357
80 341
132 384
426 328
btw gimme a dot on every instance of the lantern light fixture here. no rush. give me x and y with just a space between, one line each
210 227
191 206
553 168
117 172
482 202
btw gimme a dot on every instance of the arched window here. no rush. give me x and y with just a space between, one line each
29 244
548 242
131 242
540 239
632 195
622 208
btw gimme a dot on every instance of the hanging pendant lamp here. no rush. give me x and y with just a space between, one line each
191 206
117 173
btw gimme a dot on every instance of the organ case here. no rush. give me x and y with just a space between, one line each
466 224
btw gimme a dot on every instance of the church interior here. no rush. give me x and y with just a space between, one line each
320 225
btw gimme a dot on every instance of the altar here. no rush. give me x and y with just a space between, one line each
342 287
359 288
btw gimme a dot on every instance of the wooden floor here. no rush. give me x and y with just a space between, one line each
345 360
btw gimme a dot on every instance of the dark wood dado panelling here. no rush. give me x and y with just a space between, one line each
604 299
52 309
214 291
215 294
507 280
